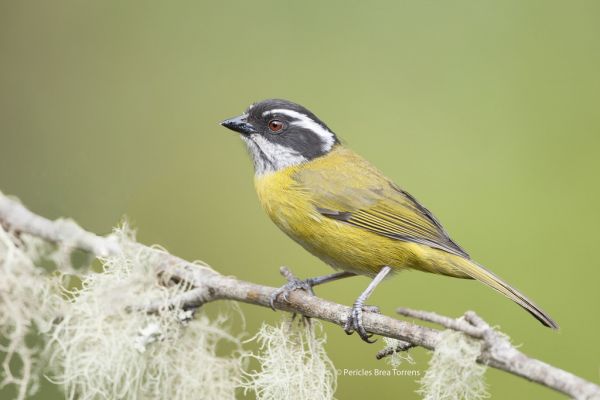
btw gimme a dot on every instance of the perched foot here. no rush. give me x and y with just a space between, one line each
293 284
354 321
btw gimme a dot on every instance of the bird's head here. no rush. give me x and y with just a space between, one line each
280 134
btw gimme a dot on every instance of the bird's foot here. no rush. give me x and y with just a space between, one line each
354 321
293 284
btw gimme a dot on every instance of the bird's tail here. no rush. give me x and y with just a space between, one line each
480 273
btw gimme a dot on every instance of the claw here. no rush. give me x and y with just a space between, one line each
293 284
354 323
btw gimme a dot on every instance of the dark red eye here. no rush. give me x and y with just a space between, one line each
275 125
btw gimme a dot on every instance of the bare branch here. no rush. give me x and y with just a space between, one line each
14 215
208 285
447 322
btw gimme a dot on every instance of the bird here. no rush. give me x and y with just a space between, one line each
342 209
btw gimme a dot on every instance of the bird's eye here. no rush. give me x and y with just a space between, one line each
276 125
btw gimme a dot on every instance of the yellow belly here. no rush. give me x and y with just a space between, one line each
340 245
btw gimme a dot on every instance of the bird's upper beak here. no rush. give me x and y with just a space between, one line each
239 124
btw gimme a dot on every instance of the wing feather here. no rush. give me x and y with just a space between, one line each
361 196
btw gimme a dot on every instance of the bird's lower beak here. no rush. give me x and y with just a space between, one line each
239 124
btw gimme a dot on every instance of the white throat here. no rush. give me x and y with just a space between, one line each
270 157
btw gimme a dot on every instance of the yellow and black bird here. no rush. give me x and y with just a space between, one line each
345 211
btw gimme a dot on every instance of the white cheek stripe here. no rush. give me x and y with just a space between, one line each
304 121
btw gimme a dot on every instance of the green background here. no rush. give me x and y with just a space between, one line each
488 112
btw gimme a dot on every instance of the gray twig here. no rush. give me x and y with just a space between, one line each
207 285
447 322
399 348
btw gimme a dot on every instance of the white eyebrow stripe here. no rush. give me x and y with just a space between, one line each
306 122
289 113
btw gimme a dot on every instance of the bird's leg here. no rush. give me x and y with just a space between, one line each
307 284
319 280
354 320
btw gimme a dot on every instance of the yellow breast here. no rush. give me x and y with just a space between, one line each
291 207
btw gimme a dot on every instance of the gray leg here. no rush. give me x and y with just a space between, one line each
307 284
319 280
354 321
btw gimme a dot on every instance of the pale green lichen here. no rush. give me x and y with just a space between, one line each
294 364
453 372
103 350
398 357
29 302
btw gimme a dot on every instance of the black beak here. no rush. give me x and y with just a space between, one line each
239 124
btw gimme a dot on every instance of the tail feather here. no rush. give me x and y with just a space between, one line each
482 274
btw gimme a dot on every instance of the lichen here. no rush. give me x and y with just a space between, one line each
29 302
453 372
104 349
294 364
397 358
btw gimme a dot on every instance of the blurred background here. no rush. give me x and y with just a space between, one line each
487 112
